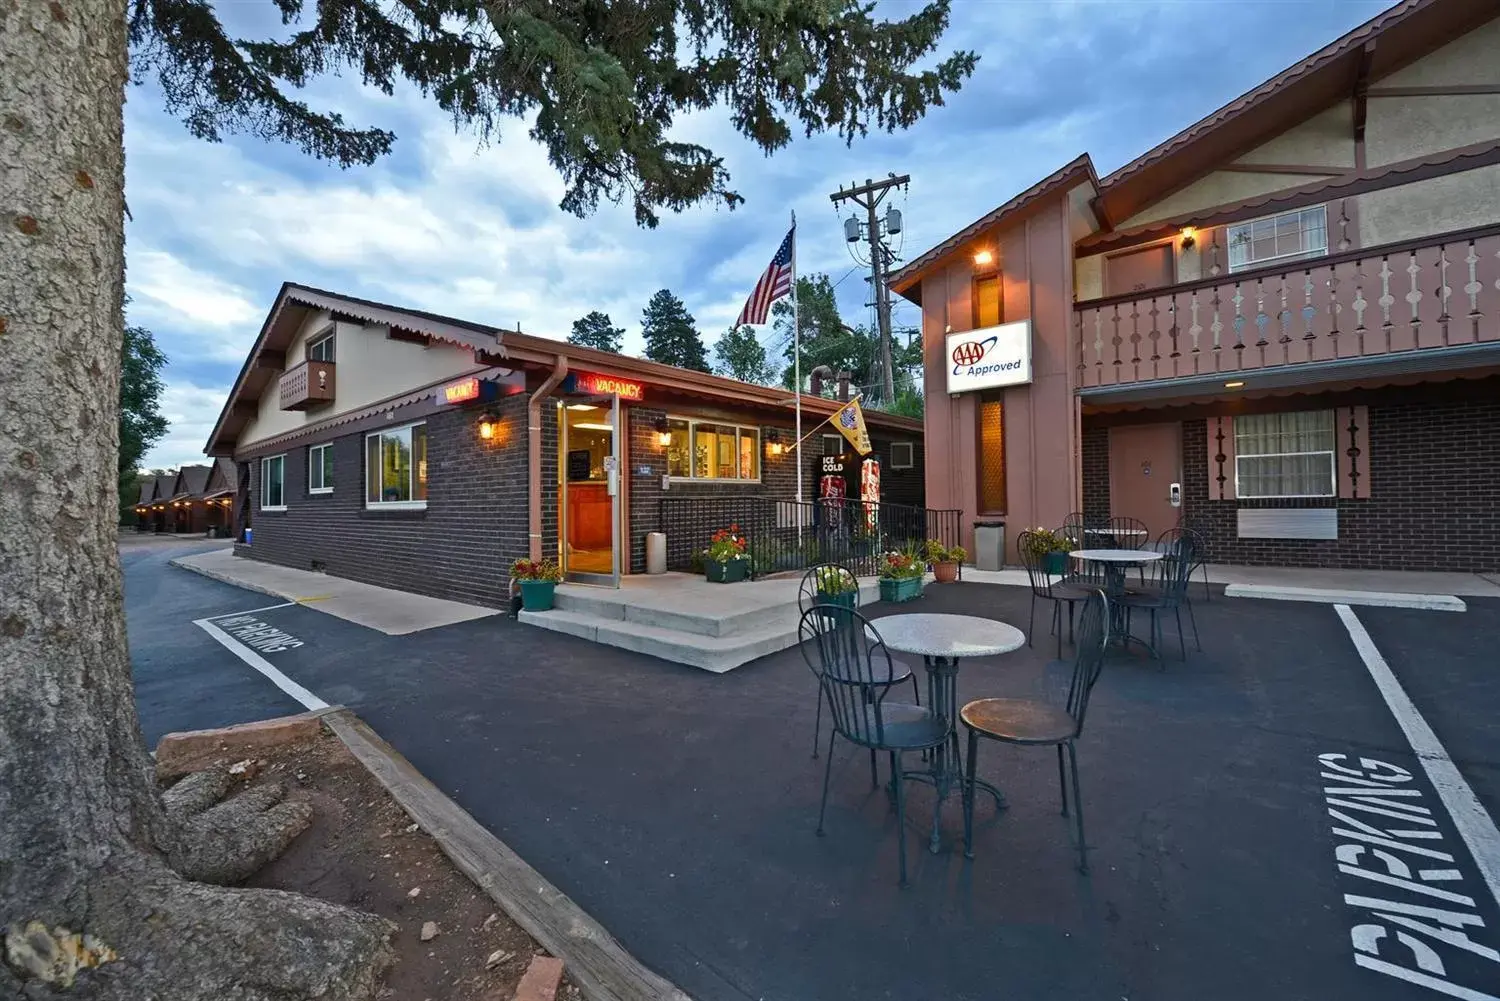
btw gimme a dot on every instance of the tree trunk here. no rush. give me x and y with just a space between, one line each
84 880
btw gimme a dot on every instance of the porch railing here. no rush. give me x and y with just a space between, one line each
787 535
1436 292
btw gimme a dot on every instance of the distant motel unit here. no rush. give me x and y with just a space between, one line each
195 499
1280 327
425 453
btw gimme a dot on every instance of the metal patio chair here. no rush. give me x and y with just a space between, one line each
1168 539
1039 723
1169 595
807 597
1061 593
855 674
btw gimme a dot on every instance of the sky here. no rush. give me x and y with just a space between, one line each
447 224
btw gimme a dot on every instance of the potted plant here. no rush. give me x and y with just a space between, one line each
836 587
538 581
725 560
901 576
1053 548
945 560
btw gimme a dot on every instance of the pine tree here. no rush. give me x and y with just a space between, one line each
600 86
742 356
594 330
671 333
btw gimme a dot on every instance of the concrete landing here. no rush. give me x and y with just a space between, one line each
685 619
394 613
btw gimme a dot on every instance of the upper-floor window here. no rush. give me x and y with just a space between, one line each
396 467
273 483
321 348
1285 455
987 301
1290 236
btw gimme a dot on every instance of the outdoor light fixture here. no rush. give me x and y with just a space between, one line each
489 426
773 443
663 432
984 258
1189 237
1236 384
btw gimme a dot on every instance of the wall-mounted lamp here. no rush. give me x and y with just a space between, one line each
663 432
1236 384
1189 237
489 426
983 258
773 443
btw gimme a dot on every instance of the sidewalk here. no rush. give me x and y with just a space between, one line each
394 613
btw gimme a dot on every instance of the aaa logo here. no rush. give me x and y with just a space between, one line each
971 352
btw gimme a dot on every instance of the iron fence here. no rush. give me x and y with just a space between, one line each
787 535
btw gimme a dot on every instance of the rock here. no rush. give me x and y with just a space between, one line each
497 957
412 828
429 931
414 892
244 770
489 922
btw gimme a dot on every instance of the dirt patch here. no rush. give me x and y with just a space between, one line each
363 851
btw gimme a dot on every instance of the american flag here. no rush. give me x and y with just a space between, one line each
775 283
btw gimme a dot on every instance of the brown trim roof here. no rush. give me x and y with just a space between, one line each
1354 182
148 491
1078 170
491 345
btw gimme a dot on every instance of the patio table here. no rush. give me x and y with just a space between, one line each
942 640
1115 562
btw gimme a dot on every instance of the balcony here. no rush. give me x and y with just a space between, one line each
306 386
1395 307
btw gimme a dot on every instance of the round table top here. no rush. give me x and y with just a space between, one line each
936 635
1116 555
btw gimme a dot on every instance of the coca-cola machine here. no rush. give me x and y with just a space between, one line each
869 491
833 489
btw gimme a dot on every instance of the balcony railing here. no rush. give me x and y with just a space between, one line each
308 385
1436 292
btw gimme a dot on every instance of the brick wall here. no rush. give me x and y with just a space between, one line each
1434 504
1095 458
460 547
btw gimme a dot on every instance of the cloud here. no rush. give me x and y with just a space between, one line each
455 226
192 411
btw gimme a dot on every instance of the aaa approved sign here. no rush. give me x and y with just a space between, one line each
989 357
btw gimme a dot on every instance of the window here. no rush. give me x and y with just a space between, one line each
901 455
1284 455
833 444
320 469
273 483
987 301
991 456
321 348
396 467
1290 236
709 451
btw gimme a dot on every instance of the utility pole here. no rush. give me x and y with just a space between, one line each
868 196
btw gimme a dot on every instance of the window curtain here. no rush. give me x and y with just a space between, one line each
1285 455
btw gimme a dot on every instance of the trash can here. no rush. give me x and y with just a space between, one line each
656 552
989 544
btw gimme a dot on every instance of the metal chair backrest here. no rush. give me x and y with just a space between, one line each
853 668
1127 533
1073 527
1167 542
819 577
1032 551
1181 557
1088 662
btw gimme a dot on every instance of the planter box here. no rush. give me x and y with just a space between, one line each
906 589
537 595
846 600
730 572
1055 563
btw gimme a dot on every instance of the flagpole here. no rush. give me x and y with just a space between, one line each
797 372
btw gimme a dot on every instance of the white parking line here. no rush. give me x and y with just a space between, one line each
255 660
1474 824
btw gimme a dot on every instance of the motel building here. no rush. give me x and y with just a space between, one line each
1280 327
425 453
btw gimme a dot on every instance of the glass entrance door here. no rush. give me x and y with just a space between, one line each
589 468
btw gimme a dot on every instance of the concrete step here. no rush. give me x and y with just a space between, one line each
607 605
711 653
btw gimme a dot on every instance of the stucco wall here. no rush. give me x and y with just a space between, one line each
368 367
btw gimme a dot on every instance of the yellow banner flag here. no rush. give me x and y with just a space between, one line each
850 420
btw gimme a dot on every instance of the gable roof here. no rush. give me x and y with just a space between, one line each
192 481
166 486
1077 171
148 489
1338 71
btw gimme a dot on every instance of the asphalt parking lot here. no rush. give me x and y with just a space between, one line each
678 807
